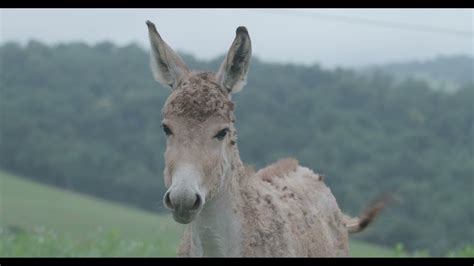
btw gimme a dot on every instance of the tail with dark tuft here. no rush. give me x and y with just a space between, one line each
357 224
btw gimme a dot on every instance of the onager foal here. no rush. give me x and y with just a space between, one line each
282 210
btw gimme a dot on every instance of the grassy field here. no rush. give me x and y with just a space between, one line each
39 220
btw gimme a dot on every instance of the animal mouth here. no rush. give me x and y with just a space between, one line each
184 217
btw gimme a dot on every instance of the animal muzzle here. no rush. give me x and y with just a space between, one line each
184 202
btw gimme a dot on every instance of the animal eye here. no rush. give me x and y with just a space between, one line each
167 130
221 134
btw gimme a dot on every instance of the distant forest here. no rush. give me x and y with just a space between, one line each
87 118
447 73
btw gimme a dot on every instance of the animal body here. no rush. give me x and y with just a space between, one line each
284 209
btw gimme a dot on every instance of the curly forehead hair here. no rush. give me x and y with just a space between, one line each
199 97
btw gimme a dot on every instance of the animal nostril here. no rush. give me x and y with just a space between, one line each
197 203
168 201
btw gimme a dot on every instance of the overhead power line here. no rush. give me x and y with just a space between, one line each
372 22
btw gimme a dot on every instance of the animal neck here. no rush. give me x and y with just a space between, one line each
217 231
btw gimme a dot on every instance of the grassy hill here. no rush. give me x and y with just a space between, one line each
39 220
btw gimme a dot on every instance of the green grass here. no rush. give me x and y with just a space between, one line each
39 220
27 204
35 207
363 249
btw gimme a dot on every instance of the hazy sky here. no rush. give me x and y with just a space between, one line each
326 36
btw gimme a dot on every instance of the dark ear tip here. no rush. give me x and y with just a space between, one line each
241 29
150 24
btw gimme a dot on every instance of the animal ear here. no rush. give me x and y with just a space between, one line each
166 65
233 71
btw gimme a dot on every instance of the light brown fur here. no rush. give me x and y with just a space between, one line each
278 169
284 209
294 215
199 97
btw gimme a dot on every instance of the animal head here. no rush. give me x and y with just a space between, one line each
198 120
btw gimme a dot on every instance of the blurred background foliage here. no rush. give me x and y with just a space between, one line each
87 119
